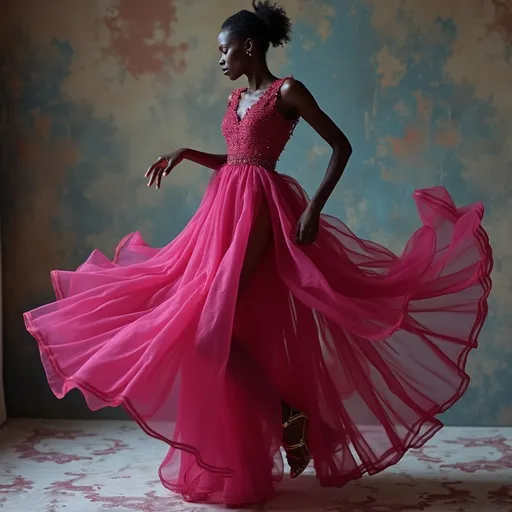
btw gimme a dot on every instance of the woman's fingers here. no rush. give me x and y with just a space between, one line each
168 168
157 170
297 232
159 176
154 166
152 177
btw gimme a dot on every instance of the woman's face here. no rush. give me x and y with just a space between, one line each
234 60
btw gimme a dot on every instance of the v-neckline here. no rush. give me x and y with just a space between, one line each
244 90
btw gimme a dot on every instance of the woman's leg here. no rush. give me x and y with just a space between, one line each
260 240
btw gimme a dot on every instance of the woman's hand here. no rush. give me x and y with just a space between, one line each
308 226
163 166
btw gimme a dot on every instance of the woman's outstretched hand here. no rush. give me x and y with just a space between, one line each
163 166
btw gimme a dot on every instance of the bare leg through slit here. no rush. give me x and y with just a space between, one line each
260 240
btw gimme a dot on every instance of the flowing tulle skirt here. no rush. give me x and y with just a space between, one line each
371 345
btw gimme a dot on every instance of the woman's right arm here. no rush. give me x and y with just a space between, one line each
166 163
209 160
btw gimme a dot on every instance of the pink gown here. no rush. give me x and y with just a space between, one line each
371 345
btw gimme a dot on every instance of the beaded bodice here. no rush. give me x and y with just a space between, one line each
261 135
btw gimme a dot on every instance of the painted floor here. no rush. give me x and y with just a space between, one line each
102 466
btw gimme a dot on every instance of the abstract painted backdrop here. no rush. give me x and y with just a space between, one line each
91 92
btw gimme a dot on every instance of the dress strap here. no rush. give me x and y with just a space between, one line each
274 88
271 94
235 93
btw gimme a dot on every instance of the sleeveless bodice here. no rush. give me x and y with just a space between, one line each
261 135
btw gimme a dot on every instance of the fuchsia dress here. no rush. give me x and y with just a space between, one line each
371 345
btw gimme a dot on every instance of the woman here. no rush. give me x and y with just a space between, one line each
266 324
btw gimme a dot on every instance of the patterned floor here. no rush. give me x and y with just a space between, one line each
102 466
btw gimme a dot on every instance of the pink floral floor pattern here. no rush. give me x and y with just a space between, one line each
102 466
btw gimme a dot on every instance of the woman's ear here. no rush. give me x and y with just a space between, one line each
249 47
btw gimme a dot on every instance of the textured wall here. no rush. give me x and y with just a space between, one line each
92 91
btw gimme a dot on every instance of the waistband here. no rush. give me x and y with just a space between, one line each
252 160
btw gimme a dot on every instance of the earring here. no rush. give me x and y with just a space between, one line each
249 53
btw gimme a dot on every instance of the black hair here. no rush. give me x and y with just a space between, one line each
268 24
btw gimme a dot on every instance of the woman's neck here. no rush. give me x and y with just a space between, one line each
259 77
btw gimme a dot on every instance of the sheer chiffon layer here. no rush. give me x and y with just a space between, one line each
371 345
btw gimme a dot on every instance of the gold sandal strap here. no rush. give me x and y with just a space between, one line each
293 419
290 447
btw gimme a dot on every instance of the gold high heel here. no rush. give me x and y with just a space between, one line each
305 459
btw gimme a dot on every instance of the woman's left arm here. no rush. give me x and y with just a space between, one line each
296 97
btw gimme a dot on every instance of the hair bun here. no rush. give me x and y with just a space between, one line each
274 17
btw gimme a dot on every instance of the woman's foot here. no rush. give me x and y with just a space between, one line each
294 442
